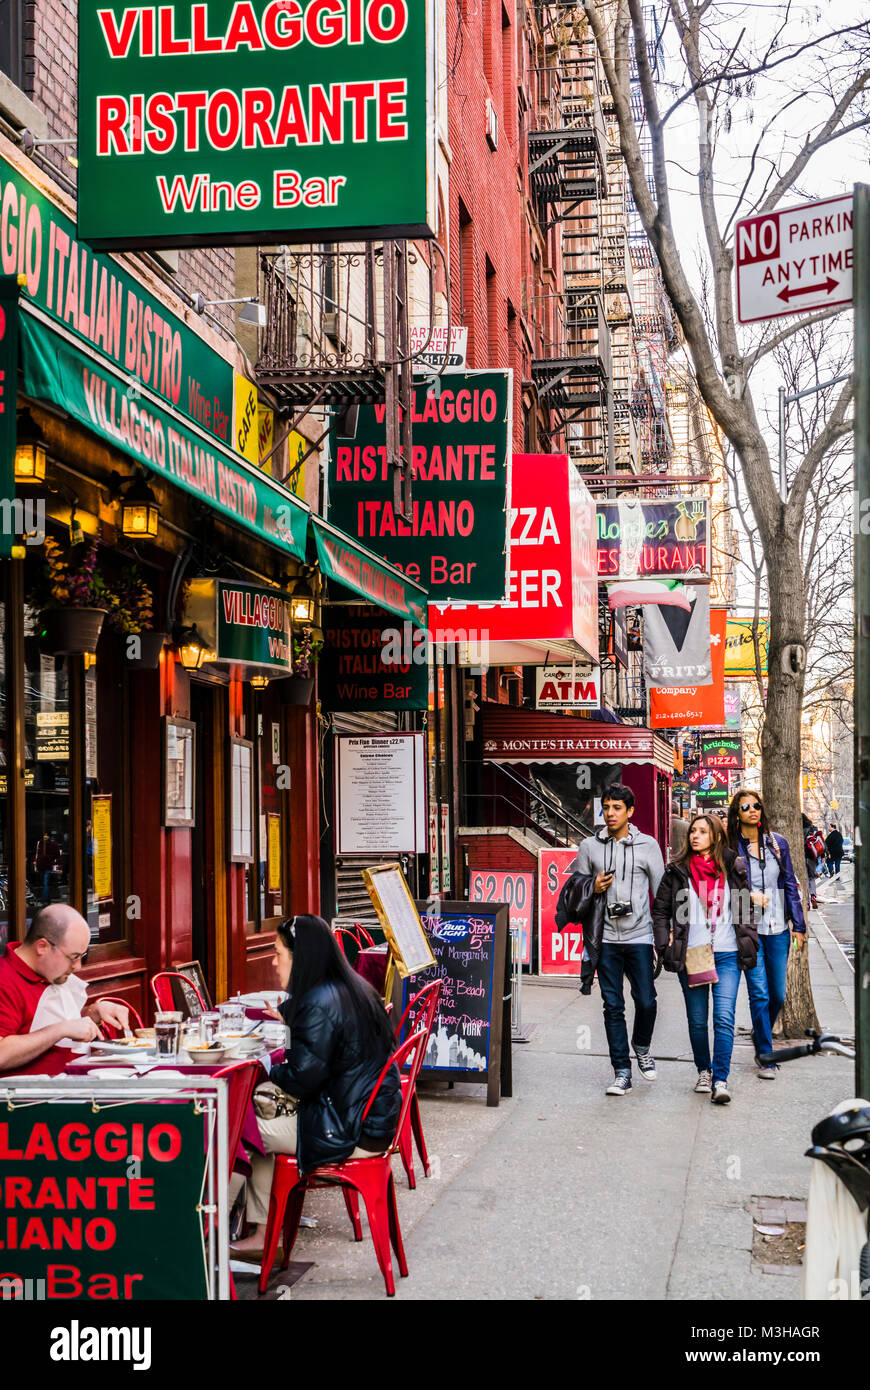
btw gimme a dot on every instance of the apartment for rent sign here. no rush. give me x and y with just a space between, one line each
237 120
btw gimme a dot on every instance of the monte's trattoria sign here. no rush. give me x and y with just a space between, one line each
455 541
239 120
94 1200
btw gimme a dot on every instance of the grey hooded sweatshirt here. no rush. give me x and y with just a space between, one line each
637 867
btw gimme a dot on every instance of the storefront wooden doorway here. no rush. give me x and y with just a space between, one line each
209 711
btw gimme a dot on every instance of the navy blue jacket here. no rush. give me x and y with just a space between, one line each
787 883
332 1070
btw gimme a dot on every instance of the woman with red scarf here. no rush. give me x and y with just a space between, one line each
703 920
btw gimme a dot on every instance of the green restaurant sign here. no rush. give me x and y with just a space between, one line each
245 624
244 121
102 1203
455 541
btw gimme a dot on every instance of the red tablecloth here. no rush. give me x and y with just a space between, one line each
371 963
250 1131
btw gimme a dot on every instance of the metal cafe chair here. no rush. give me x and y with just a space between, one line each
421 1010
161 988
371 1178
109 1029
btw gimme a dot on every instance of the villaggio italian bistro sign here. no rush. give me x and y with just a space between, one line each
246 624
236 120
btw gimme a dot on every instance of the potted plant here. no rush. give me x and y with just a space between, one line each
131 614
74 604
298 687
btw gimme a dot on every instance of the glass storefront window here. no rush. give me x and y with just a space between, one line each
265 893
46 772
103 793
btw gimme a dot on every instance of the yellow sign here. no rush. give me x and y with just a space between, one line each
740 648
245 419
273 852
265 436
101 840
297 448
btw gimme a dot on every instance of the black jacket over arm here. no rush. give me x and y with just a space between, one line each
332 1070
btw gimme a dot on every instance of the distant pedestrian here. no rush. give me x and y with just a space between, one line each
814 856
703 921
627 867
775 889
679 830
834 847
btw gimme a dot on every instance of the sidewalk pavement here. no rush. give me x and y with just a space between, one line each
563 1192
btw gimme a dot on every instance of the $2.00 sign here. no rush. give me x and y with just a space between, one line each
794 260
517 890
559 953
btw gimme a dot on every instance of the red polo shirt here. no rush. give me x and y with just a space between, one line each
24 1009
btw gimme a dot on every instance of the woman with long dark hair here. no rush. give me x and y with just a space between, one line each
776 891
339 1039
702 921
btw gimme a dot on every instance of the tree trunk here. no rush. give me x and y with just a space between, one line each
781 754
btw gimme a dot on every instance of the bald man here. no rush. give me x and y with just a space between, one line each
43 1013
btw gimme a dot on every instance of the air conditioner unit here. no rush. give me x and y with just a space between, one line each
335 329
491 125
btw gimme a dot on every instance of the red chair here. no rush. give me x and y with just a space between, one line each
109 1029
372 1178
356 933
422 1010
242 1078
161 988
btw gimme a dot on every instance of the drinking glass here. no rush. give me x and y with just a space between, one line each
209 1026
167 1028
232 1016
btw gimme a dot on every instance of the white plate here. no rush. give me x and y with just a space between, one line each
142 1047
259 999
113 1073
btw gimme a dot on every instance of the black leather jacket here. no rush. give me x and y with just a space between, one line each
332 1071
578 902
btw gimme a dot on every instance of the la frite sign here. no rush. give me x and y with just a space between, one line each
261 120
794 260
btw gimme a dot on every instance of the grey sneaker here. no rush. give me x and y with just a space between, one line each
721 1095
646 1063
704 1084
621 1084
767 1073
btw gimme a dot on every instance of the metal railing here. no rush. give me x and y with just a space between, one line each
537 811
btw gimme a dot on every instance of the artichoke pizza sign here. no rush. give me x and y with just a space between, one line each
237 120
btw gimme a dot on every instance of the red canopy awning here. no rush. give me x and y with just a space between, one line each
528 737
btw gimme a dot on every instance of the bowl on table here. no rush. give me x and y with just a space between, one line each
245 1047
215 1053
144 1032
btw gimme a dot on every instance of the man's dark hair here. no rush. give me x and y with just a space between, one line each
618 793
42 928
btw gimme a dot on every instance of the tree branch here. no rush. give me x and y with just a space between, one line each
834 428
787 333
811 147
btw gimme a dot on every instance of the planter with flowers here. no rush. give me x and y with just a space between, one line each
74 605
131 614
297 688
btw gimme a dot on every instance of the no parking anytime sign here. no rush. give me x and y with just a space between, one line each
794 260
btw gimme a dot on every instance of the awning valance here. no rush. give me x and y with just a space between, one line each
343 560
130 418
524 736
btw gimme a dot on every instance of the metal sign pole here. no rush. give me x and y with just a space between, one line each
861 527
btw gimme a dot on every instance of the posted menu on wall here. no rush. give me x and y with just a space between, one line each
455 542
380 794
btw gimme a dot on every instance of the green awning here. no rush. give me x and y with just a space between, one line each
113 406
347 562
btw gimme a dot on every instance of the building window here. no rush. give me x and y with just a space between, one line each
493 317
267 891
466 274
12 40
509 86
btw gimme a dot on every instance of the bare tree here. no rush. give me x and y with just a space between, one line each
722 63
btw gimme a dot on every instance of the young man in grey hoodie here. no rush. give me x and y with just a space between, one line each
628 868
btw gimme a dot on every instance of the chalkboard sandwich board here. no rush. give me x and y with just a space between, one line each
183 996
471 1035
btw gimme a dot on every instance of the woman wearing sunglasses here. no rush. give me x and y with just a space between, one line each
775 889
702 921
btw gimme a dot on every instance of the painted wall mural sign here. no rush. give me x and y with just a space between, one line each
238 120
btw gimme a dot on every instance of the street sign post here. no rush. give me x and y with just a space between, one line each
862 642
794 260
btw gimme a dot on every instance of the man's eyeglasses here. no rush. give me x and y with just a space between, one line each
750 806
78 958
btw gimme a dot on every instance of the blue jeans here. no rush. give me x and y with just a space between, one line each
614 963
766 986
724 1003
